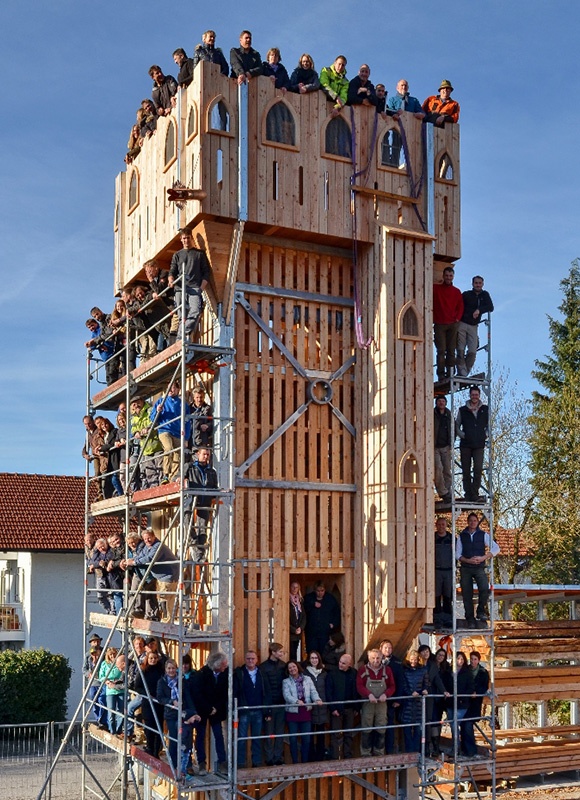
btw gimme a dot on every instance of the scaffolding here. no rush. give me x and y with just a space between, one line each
193 523
455 772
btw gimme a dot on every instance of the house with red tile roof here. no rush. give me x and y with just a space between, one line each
42 565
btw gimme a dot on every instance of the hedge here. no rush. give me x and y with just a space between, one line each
33 686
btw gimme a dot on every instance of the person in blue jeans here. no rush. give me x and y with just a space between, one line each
253 696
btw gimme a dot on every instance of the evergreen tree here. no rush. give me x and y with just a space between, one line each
555 445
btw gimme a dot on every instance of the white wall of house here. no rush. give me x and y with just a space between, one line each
53 610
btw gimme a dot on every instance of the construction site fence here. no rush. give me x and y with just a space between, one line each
27 752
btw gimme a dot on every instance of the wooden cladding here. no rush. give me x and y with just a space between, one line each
296 180
294 397
394 434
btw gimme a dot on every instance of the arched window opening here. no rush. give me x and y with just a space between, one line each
280 126
133 190
219 117
409 473
445 170
170 143
191 123
409 322
392 150
338 139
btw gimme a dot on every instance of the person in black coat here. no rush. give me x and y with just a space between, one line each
394 705
322 617
341 686
465 693
304 78
210 689
168 698
274 671
151 712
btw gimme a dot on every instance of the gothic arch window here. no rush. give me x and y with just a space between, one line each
191 128
409 472
170 144
445 168
392 149
133 196
219 117
337 138
280 125
409 322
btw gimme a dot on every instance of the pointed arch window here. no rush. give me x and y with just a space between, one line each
280 125
337 139
409 322
445 167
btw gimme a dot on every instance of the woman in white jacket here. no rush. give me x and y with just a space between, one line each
299 694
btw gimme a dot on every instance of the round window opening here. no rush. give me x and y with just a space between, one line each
320 391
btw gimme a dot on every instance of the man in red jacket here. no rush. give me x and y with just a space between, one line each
447 311
375 683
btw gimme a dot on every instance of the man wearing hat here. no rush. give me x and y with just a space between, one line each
441 108
90 662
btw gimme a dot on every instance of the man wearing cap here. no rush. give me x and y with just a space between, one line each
440 108
89 664
189 265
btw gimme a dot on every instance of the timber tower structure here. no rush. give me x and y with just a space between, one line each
324 236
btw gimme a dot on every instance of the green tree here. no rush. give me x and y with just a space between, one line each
510 454
555 445
33 686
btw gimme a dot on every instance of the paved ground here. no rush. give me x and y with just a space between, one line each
24 781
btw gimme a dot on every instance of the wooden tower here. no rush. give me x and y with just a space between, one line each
323 235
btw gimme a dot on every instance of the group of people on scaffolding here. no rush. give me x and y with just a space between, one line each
323 711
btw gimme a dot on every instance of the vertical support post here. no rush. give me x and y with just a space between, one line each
429 160
243 151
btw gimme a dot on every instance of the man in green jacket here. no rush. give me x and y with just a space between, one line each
334 84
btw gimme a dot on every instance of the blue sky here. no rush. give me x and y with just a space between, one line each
74 73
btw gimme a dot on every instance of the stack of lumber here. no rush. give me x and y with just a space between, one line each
537 641
522 758
533 684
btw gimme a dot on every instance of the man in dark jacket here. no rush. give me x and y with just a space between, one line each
252 692
471 427
185 65
394 705
200 476
360 90
322 617
189 265
475 303
164 90
210 688
274 672
443 436
444 568
209 52
246 62
341 686
473 548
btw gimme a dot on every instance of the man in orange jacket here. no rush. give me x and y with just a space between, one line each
441 108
